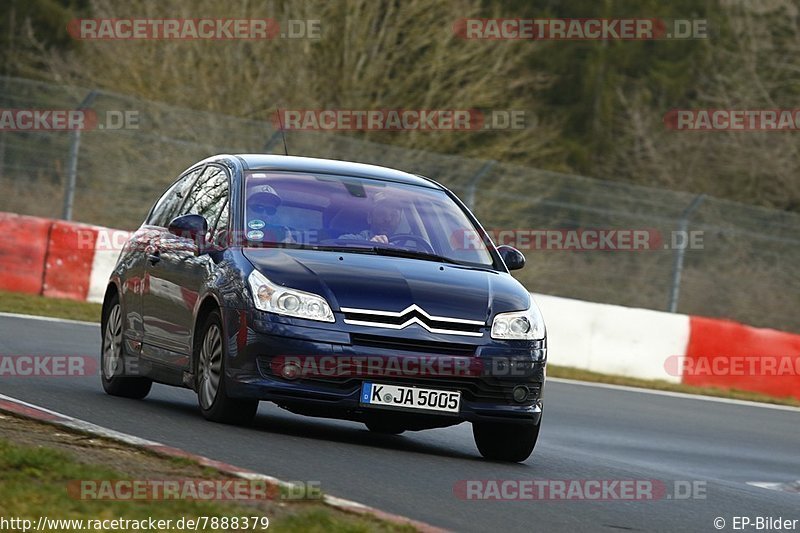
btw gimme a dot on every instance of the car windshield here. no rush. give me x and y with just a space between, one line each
360 215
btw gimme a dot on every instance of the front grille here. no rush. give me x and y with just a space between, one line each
413 315
401 344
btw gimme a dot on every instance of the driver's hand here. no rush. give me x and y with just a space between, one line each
380 238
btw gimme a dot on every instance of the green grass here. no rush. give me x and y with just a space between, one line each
37 305
33 483
31 304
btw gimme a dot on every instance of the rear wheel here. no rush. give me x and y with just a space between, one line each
499 441
112 358
215 404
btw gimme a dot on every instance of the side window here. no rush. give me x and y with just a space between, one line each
209 196
222 221
218 232
166 208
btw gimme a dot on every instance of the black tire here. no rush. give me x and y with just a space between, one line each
113 364
215 404
384 428
499 441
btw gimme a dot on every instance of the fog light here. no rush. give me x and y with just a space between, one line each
520 393
290 371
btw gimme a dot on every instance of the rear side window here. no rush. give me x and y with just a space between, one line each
168 206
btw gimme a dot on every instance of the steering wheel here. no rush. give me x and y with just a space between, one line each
421 243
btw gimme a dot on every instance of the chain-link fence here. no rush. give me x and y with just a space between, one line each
746 268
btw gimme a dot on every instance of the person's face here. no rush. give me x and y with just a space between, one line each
384 220
260 210
261 206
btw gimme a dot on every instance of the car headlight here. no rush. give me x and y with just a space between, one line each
273 298
519 325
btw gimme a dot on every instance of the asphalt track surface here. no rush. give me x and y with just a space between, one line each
589 433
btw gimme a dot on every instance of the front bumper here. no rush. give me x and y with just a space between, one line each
485 370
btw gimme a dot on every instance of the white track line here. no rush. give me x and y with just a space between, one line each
49 319
792 487
683 395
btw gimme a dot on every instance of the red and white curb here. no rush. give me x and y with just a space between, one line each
41 414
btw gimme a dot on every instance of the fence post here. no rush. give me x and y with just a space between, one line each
677 265
72 165
473 183
4 103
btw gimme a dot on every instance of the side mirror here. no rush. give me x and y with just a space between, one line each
192 227
512 257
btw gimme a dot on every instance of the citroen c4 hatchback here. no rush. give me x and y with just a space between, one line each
332 289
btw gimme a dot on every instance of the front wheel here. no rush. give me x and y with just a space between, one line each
499 441
112 358
215 404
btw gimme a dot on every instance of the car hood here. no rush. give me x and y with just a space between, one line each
365 281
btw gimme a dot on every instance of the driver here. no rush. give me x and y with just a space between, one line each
262 204
383 219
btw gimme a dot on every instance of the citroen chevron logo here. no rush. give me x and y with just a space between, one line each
411 310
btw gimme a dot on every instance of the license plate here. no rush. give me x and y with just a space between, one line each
381 395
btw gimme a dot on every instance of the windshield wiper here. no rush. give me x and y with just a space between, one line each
415 254
318 247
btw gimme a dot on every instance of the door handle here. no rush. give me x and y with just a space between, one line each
154 257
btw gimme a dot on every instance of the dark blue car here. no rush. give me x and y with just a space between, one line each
332 289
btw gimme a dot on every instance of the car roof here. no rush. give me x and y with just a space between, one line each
331 166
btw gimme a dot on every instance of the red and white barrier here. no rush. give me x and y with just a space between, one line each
612 339
647 344
56 258
64 259
23 247
68 266
107 245
726 354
